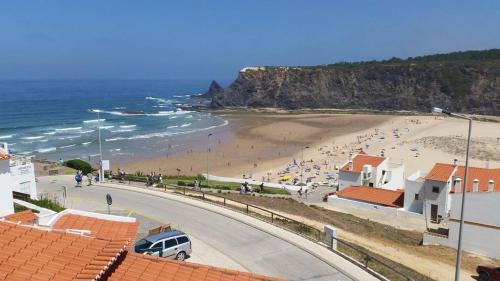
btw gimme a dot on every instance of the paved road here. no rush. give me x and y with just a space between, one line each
230 243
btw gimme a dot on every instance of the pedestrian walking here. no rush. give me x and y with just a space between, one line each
89 179
78 179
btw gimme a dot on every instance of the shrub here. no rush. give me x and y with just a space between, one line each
81 165
181 183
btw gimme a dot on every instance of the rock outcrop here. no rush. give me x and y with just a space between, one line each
462 81
214 89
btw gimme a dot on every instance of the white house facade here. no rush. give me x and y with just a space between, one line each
6 200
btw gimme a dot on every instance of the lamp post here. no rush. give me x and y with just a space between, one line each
464 188
100 147
302 164
208 150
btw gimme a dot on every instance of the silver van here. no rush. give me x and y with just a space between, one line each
170 244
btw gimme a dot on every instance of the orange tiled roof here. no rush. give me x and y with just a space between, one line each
137 267
34 254
442 172
379 196
4 156
99 228
26 216
362 159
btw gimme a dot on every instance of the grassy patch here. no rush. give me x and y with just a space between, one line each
48 204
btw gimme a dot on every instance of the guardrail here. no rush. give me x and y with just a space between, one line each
354 254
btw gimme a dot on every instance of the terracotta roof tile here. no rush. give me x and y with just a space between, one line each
26 216
29 253
379 196
442 172
99 228
362 159
135 267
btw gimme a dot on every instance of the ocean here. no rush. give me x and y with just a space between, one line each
56 120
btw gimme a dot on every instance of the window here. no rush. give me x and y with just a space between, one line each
370 184
435 189
170 243
416 196
143 244
182 239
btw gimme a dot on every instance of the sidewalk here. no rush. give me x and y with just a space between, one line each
321 252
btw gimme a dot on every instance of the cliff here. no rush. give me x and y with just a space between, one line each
213 89
461 81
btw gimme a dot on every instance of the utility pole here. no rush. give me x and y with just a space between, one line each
208 150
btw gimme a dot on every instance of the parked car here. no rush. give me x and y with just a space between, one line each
172 244
488 273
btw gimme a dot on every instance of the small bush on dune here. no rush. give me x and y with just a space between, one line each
81 165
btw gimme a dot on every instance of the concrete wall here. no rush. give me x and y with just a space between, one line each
6 200
347 179
23 179
335 200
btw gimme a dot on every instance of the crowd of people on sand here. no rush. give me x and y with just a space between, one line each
246 188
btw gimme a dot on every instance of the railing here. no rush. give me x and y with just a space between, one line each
354 254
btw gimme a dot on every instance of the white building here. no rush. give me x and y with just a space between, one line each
22 172
414 193
372 171
6 201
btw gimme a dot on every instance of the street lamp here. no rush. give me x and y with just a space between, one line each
100 147
208 150
302 164
464 188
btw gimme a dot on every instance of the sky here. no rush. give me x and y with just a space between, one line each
122 39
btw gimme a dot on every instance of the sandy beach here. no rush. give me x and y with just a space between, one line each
261 145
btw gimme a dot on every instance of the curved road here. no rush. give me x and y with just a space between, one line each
230 242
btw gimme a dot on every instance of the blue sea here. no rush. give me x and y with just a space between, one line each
56 120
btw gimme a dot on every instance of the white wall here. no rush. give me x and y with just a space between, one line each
23 179
414 186
335 200
6 200
395 178
439 199
347 179
480 208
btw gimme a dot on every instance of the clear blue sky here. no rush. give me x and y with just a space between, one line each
113 39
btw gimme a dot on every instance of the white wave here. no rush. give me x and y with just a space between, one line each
11 143
160 100
185 125
25 152
42 140
165 134
174 126
116 149
6 137
189 116
94 120
68 146
119 107
122 131
50 133
69 137
128 126
33 138
86 143
44 150
109 112
106 127
173 117
114 139
68 129
86 132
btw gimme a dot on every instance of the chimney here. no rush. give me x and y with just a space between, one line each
455 161
475 185
458 185
491 185
350 165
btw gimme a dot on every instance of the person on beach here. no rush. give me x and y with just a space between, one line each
261 187
78 179
242 189
299 193
89 179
